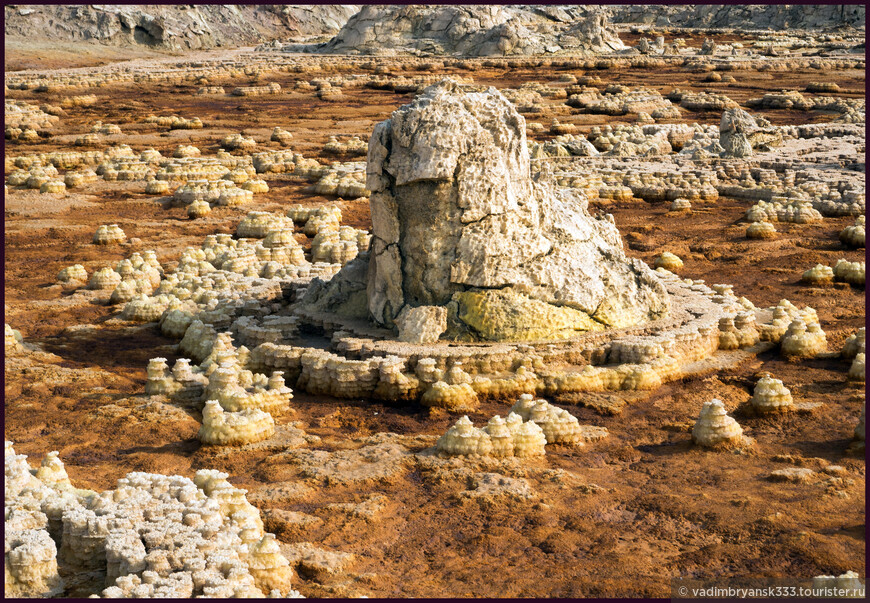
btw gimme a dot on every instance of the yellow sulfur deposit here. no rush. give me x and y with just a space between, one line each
669 261
504 315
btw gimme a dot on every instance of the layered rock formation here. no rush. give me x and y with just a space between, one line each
736 16
458 221
475 31
172 27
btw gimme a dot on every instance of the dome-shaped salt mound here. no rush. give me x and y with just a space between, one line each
268 566
529 440
771 395
760 230
715 429
73 275
818 275
849 272
109 234
500 436
557 424
854 344
457 397
853 236
104 278
803 340
669 261
544 424
464 439
234 428
858 370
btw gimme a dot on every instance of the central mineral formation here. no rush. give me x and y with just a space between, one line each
458 221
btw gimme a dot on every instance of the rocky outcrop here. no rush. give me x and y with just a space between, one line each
737 16
740 133
423 324
475 31
459 222
734 130
169 27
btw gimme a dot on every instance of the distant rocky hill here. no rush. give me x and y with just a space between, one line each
172 27
737 16
31 31
475 31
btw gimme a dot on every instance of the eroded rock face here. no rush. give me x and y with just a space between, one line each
458 221
423 324
740 133
475 31
734 131
772 16
173 27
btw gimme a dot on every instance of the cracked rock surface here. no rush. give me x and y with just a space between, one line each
458 221
475 30
172 27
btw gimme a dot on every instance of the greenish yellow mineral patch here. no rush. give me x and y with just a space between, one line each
611 313
505 315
